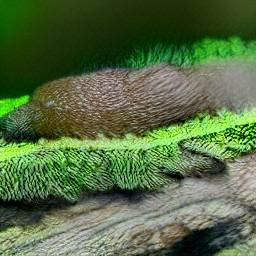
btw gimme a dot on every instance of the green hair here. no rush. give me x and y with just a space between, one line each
66 167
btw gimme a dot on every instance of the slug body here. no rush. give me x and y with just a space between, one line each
115 102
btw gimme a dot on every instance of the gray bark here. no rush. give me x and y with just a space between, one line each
194 216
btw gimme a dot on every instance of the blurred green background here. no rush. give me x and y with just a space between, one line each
47 39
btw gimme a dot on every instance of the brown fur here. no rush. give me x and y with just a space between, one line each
118 101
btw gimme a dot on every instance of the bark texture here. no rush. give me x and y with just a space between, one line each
195 216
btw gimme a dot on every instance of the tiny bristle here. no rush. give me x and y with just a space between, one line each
66 167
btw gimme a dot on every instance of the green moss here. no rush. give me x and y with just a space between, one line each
66 167
247 248
7 105
205 50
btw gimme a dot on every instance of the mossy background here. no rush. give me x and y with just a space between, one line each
44 40
50 168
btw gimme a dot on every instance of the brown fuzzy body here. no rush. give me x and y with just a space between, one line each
119 101
115 102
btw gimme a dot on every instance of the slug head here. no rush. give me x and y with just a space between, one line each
17 125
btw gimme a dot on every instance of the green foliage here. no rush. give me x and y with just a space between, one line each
157 54
66 167
7 105
185 55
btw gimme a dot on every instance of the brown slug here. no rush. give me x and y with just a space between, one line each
115 102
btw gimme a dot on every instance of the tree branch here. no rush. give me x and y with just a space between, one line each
199 216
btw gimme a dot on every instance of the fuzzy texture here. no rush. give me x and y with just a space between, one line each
66 167
116 102
146 94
